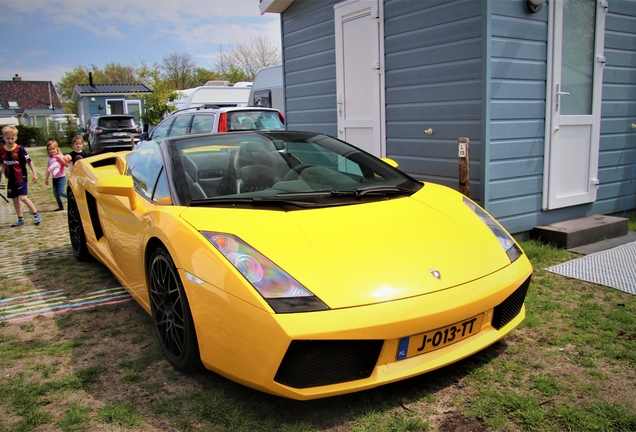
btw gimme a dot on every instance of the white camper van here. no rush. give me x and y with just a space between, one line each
6 121
219 95
267 89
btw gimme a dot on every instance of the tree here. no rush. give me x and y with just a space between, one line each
202 75
247 57
115 73
179 70
64 88
160 102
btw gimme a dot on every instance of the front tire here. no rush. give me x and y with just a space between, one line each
76 230
171 313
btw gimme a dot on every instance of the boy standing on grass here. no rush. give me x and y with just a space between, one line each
14 160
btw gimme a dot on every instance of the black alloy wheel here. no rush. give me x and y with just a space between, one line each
171 313
76 230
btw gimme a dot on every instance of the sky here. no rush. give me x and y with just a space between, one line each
41 40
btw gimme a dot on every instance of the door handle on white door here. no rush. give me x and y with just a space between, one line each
559 93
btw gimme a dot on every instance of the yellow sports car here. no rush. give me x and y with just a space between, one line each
295 263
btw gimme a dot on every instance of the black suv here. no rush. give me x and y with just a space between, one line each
112 133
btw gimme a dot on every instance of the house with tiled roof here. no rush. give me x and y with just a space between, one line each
103 99
32 102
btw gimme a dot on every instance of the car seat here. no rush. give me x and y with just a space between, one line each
192 176
256 167
247 124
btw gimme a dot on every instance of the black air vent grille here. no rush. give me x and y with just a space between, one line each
323 362
510 307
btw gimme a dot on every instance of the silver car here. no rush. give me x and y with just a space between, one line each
206 119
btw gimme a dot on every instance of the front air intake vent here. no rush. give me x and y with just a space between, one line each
323 362
510 307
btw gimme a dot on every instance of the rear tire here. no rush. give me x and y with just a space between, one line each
171 313
76 230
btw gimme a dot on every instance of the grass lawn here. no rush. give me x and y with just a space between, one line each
570 366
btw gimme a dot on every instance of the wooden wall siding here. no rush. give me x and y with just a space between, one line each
518 62
310 71
512 197
617 158
433 79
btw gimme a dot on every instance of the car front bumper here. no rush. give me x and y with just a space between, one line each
302 355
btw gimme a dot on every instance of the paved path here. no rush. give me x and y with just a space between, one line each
23 246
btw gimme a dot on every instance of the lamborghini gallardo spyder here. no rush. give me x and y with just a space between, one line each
295 263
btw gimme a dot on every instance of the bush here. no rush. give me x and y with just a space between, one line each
65 138
30 136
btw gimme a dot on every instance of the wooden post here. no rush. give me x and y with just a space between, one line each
464 165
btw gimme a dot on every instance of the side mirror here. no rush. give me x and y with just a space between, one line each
120 185
143 136
390 161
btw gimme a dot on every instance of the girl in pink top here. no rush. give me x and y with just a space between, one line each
57 162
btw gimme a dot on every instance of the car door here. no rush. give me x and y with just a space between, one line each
126 229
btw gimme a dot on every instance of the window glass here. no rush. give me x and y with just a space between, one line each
162 191
202 123
162 128
577 66
255 120
144 166
268 120
275 164
263 98
180 125
117 122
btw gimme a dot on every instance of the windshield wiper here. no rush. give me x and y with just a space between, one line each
375 190
253 201
305 193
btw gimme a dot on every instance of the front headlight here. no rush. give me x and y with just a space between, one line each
506 241
282 292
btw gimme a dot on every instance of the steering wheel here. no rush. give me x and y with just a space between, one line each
294 173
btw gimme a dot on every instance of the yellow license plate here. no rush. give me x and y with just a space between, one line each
439 338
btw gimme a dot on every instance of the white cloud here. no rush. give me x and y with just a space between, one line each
52 35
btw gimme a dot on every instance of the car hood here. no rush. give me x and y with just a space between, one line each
368 253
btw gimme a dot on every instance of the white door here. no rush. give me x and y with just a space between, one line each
133 107
574 102
359 74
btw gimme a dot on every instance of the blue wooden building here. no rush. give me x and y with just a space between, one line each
545 92
103 99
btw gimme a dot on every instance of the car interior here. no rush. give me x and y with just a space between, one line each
250 166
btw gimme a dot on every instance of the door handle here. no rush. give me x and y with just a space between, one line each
559 93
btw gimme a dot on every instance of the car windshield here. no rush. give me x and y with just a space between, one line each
283 168
117 122
254 120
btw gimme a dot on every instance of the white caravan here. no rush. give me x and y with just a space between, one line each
6 121
219 95
267 89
